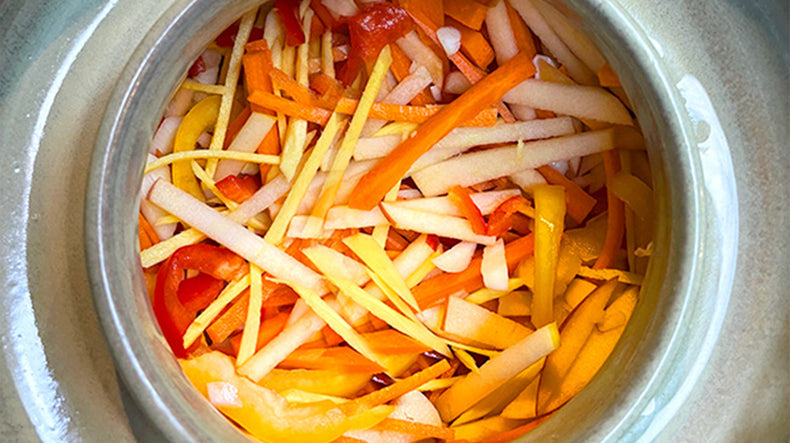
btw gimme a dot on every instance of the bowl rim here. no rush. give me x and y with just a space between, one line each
141 355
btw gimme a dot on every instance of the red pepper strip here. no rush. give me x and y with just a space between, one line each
172 315
197 292
197 67
378 25
501 220
226 38
289 13
256 34
239 188
462 198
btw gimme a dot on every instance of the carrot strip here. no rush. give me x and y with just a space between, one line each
615 219
469 12
268 330
294 89
511 435
433 11
577 200
257 63
607 77
231 320
386 173
283 296
389 341
474 45
436 289
416 429
269 145
340 358
331 337
524 40
290 108
400 67
462 198
148 236
413 114
396 389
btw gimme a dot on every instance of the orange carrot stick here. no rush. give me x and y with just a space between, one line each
268 330
257 63
269 145
396 389
436 289
340 358
577 200
231 320
607 77
615 219
425 10
412 114
292 88
148 236
474 45
289 107
386 173
416 429
389 341
469 12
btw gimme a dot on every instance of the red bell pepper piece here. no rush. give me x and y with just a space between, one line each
462 198
501 220
239 187
197 67
173 316
197 292
378 25
226 38
289 14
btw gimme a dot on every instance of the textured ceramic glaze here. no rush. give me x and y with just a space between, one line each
56 382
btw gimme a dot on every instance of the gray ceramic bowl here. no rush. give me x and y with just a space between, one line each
671 334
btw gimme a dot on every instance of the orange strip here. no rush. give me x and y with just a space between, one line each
289 107
469 12
578 201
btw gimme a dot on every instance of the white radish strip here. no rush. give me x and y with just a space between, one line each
537 24
247 140
273 30
281 346
461 139
526 179
211 59
590 102
343 217
262 199
477 167
450 39
485 201
457 258
500 33
428 223
493 267
401 94
416 50
456 83
162 143
341 7
204 140
180 103
571 35
233 236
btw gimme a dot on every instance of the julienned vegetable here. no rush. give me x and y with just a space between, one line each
397 231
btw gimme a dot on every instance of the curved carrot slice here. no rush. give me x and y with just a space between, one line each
375 184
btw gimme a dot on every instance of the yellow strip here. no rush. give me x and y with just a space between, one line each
466 360
202 87
250 157
439 383
249 337
485 294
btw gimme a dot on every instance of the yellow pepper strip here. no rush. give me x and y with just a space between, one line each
201 118
549 224
264 413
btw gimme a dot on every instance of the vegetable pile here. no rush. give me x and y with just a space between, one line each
374 221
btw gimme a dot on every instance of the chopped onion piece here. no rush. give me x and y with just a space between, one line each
450 38
457 258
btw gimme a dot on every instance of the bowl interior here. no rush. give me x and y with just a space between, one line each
646 369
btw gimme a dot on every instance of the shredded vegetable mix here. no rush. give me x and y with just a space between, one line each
395 221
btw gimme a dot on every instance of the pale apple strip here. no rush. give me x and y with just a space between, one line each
298 229
537 24
477 167
302 182
400 128
381 232
477 326
207 316
247 140
487 202
483 295
374 256
341 161
233 236
428 223
343 217
231 82
526 179
497 371
330 316
571 35
401 94
457 258
262 199
587 102
500 33
327 57
416 50
252 323
352 175
494 266
376 146
281 346
340 264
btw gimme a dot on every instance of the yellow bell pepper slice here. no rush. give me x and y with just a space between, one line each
549 224
201 118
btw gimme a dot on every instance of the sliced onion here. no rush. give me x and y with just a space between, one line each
450 39
494 266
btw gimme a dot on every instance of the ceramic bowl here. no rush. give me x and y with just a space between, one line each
665 346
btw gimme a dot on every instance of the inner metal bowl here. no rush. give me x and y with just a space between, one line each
665 346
